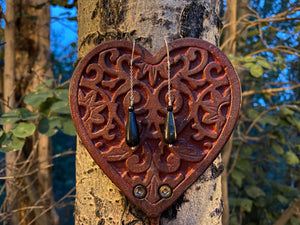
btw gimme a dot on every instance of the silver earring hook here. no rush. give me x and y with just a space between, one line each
169 72
131 75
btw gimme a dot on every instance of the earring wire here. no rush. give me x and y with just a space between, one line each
131 75
169 76
132 130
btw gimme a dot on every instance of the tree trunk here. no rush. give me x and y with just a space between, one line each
9 99
29 196
235 10
98 200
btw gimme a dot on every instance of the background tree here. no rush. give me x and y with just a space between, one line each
264 167
98 201
39 111
234 10
262 40
29 194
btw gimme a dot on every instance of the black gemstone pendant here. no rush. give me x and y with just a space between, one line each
132 129
170 134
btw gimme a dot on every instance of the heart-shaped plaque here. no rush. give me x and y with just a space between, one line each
206 97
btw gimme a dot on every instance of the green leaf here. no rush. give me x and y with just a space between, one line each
260 202
35 98
253 32
264 64
17 114
1 132
291 120
294 221
17 143
45 107
68 126
268 119
5 141
244 165
256 70
237 177
287 112
246 151
27 115
273 158
62 94
253 113
291 158
248 65
10 117
246 204
23 129
233 220
49 126
61 107
297 123
6 149
45 85
9 142
282 199
277 148
254 191
249 59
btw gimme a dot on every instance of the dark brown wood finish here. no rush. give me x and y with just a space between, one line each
206 97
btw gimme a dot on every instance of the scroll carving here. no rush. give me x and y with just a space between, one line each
205 95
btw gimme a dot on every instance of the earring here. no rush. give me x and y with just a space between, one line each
132 128
170 134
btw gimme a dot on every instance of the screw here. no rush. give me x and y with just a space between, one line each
139 191
165 191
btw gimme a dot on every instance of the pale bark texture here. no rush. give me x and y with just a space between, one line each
98 200
29 198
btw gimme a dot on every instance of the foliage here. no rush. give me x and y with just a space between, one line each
264 168
47 111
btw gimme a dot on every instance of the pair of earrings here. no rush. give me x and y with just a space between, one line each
132 130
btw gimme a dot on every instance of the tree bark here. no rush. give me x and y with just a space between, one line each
98 200
9 98
235 10
229 48
32 190
293 210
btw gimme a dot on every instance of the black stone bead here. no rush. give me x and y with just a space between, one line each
132 129
170 134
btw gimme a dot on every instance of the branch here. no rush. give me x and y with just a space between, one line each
288 213
279 48
233 164
270 90
259 21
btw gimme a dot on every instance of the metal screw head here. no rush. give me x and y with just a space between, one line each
139 191
165 191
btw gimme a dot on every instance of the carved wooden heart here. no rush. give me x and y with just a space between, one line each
206 99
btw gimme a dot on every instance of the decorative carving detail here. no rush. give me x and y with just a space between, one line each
206 100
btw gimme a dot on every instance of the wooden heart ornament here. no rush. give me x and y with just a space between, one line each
206 97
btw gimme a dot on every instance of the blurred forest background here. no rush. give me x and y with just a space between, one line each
261 180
